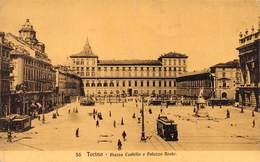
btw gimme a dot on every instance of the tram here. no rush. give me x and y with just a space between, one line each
167 129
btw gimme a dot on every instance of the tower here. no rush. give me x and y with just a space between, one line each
27 33
87 48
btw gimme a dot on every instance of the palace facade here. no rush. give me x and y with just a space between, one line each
32 76
5 69
227 78
249 57
68 85
128 77
220 82
190 84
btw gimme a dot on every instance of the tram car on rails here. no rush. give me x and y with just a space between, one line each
167 129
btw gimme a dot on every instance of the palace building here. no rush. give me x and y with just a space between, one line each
68 85
128 77
32 76
218 82
5 69
249 56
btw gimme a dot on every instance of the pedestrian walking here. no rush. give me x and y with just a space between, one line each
57 113
39 117
69 111
94 116
122 121
242 109
110 113
114 123
161 110
228 114
253 113
139 120
119 144
133 116
94 111
97 123
253 123
77 132
124 135
9 136
150 111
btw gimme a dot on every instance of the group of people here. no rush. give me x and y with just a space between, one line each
119 143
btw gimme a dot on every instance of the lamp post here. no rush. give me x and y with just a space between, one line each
143 139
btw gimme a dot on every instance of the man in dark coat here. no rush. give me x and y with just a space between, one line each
77 132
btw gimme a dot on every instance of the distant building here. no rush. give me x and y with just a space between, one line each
219 81
68 85
128 77
32 76
4 76
249 57
227 79
189 84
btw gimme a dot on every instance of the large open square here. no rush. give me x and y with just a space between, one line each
214 133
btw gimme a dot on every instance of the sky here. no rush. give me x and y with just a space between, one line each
205 30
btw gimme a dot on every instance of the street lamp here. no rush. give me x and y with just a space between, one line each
143 139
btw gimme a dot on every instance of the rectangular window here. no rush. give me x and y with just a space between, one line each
142 83
153 83
135 83
129 83
147 83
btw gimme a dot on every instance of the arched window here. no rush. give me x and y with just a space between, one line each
224 95
111 84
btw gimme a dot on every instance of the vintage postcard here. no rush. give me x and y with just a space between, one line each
131 80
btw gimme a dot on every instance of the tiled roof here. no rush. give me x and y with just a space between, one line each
83 55
204 71
173 55
230 64
129 62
